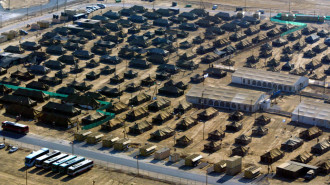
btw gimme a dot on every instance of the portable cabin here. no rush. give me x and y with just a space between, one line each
109 141
252 172
193 160
147 149
162 154
81 135
174 157
220 167
122 144
94 138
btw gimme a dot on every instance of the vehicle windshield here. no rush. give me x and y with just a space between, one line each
27 160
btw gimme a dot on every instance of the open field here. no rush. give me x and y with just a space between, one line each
280 129
13 172
17 4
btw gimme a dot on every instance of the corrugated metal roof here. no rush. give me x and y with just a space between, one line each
226 94
312 109
266 76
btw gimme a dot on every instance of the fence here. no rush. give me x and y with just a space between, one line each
301 25
118 168
111 115
279 112
314 95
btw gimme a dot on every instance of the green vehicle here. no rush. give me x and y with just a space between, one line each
63 168
55 165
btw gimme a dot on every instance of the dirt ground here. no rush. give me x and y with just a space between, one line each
273 6
17 4
280 128
15 174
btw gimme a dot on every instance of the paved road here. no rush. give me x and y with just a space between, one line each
12 14
120 159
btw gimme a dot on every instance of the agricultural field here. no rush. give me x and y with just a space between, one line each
280 128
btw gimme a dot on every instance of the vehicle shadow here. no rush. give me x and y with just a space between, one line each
22 169
225 178
35 170
58 175
11 135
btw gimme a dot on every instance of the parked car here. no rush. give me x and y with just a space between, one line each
102 6
23 32
13 149
310 175
96 8
2 145
91 8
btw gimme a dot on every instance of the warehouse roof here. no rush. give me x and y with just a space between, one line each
317 110
227 94
267 76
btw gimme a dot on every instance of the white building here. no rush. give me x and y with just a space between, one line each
269 80
226 97
312 113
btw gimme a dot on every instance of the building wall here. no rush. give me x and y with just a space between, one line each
302 82
225 105
310 121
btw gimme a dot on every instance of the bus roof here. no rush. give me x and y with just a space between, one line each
72 161
80 164
49 154
77 15
35 153
15 124
64 159
56 158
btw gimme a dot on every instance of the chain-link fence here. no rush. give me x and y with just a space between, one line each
120 168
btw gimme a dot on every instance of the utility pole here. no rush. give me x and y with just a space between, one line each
245 6
41 9
206 178
26 174
0 21
57 5
137 164
72 147
27 13
204 130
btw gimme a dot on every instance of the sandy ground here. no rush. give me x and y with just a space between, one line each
16 4
279 131
15 174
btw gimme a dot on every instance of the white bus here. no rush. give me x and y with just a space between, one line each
80 167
